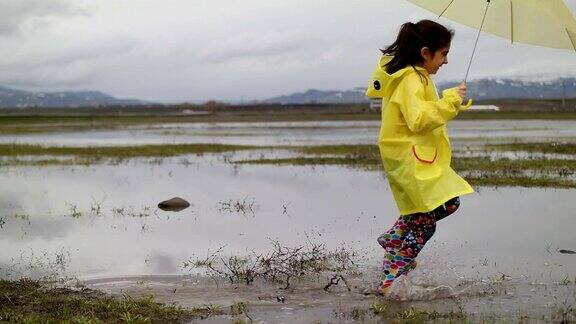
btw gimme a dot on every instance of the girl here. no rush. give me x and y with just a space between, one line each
413 141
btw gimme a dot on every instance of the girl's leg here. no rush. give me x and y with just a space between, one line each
406 238
413 231
421 228
392 241
447 209
392 238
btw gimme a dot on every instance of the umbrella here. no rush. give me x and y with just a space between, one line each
546 23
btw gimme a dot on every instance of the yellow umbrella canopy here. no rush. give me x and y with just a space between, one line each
546 23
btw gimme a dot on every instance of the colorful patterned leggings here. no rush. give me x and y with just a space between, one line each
406 239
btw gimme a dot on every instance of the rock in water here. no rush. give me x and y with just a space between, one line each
175 204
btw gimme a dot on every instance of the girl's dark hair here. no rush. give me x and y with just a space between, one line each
411 39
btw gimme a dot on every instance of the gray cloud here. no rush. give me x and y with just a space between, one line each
45 228
16 14
72 64
36 52
258 46
181 50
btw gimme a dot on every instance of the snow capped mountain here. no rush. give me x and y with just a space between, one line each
482 89
501 88
321 96
11 98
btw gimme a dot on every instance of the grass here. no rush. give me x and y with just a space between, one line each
502 172
28 301
368 157
123 152
280 265
341 161
511 166
347 150
418 315
111 154
243 207
483 170
554 147
520 181
85 156
381 310
45 162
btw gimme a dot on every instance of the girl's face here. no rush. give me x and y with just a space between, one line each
433 61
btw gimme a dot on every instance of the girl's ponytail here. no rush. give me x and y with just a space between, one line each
411 39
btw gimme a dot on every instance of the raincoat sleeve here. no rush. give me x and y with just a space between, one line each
422 115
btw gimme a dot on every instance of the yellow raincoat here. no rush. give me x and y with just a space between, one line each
413 140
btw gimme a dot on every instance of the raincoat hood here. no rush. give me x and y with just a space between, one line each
382 84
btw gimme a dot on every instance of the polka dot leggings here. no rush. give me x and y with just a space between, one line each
406 238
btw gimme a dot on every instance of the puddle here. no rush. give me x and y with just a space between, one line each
296 133
105 220
499 254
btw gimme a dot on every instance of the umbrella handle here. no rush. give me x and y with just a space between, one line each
468 104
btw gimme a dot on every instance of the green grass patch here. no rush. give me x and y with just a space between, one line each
549 147
123 152
420 315
497 173
45 162
503 180
28 301
348 150
485 171
413 315
507 165
41 156
318 161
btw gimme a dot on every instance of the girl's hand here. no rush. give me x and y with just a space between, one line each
461 89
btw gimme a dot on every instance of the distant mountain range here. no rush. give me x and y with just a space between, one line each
518 89
483 89
10 98
321 96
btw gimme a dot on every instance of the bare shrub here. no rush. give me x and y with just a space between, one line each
282 264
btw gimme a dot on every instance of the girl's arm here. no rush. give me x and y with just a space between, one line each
422 116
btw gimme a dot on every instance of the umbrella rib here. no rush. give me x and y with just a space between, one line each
570 38
511 22
448 6
476 43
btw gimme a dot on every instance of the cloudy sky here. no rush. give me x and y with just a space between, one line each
233 50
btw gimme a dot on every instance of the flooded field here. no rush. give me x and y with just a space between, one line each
294 133
506 253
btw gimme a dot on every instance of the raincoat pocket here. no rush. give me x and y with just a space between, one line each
425 162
